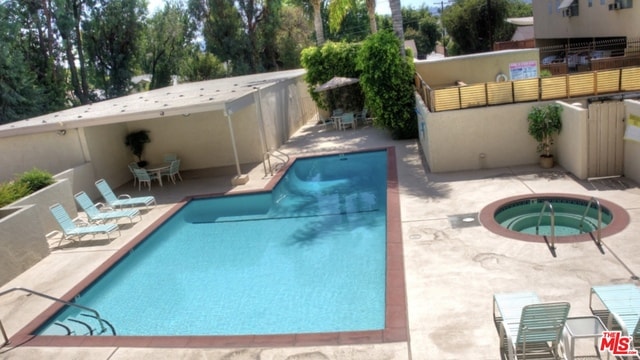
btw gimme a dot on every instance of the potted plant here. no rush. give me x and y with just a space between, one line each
545 122
135 141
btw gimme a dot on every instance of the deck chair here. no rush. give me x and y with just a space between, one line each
347 120
145 177
132 166
536 335
621 308
174 170
73 231
122 200
362 118
96 216
169 157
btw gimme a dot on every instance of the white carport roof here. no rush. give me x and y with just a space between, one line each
227 94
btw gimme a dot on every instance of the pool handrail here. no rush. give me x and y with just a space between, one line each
599 227
553 222
279 155
33 292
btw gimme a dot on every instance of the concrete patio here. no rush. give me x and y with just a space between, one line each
451 272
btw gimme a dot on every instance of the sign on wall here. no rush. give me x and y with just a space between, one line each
632 132
523 70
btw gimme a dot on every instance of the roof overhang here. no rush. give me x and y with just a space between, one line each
227 94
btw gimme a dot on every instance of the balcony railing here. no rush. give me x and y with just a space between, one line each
536 89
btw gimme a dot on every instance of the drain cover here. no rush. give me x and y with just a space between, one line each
463 220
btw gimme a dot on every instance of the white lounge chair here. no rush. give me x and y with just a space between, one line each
96 216
122 200
71 230
536 334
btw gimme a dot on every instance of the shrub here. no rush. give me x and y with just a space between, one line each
387 82
27 183
12 191
36 179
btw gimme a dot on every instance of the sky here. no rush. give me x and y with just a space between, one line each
382 6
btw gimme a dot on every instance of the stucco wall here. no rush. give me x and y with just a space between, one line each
22 240
632 148
479 138
59 192
81 178
46 151
109 156
592 21
472 69
571 144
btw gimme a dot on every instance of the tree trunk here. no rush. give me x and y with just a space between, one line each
371 11
317 21
396 18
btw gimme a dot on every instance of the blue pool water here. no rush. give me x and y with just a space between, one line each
307 257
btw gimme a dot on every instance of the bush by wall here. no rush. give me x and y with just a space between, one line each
26 183
386 81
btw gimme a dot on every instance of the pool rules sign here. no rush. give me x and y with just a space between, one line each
632 132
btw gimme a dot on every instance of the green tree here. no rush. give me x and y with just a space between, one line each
387 81
166 41
475 25
223 33
353 27
339 9
422 27
201 66
112 43
18 91
31 81
293 36
69 15
265 31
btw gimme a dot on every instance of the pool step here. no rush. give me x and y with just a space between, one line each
569 220
89 325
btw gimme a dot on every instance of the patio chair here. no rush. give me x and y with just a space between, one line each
621 308
347 120
170 157
75 230
508 306
132 166
95 215
536 334
122 200
362 118
173 171
145 177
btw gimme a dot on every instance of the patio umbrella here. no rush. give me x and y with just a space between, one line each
336 82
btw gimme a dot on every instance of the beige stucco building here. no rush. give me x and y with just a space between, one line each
577 21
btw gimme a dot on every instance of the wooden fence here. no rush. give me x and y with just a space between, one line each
537 89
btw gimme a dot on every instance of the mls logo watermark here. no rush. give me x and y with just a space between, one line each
617 344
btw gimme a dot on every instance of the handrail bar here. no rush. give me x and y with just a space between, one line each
286 157
4 335
266 159
553 222
599 227
33 292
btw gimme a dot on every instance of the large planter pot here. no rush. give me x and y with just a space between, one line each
546 162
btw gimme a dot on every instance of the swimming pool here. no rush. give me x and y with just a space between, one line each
320 235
